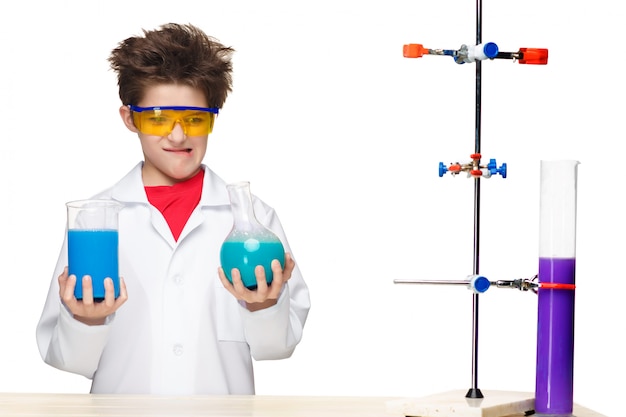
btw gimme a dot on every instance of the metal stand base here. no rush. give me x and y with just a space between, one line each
455 404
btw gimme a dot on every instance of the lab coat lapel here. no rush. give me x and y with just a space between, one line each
130 190
213 194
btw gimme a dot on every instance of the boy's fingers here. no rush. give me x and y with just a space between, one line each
109 292
87 291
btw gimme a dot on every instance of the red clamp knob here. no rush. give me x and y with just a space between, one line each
533 56
414 50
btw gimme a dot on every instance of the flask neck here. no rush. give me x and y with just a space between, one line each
241 206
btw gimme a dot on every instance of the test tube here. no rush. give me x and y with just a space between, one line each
554 385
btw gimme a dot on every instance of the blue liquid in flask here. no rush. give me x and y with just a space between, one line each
246 253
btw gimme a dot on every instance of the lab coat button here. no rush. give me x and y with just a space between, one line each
178 279
178 349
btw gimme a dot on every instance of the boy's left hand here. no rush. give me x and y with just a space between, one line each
264 295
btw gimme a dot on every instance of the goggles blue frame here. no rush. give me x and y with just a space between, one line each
214 110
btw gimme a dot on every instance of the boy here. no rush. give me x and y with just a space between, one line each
178 326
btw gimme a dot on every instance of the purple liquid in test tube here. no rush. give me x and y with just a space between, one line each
555 338
554 383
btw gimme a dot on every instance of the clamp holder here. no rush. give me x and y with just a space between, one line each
474 168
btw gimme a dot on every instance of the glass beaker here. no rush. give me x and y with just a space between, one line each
249 243
92 244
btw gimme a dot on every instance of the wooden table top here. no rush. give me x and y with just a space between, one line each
84 405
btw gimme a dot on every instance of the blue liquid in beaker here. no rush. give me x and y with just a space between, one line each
93 253
246 254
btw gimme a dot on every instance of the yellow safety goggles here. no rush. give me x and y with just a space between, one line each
160 120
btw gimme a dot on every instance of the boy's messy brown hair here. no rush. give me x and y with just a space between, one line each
173 54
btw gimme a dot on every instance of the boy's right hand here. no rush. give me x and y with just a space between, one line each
86 310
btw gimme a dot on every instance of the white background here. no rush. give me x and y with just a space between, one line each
343 136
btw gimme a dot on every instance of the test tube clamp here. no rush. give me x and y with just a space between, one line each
479 284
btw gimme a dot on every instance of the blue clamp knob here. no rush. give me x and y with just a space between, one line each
490 50
479 284
442 169
493 168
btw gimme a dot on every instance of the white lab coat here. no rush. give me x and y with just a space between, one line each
180 332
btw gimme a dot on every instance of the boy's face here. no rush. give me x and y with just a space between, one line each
174 157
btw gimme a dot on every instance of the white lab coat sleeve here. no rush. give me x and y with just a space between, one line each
274 332
63 341
74 346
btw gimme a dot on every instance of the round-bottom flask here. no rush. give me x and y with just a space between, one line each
249 243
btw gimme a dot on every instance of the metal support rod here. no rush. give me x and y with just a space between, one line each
431 281
474 391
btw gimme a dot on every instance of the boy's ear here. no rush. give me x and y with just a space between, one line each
127 118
